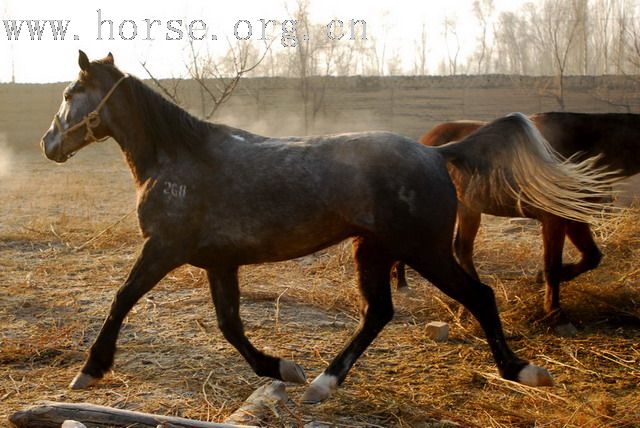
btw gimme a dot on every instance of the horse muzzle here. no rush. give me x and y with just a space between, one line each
51 145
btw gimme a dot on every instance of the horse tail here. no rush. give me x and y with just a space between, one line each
510 162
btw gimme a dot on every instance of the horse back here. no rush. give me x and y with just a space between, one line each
450 131
613 136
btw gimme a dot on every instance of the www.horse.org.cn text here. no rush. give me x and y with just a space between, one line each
287 31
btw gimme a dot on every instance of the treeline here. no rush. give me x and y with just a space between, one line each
543 37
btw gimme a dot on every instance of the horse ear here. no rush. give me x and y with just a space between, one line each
83 61
109 59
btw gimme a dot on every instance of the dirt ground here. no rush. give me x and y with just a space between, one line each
68 238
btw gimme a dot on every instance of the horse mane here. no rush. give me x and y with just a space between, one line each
166 125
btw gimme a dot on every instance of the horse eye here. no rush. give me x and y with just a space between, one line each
67 96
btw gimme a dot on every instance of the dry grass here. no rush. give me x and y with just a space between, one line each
57 277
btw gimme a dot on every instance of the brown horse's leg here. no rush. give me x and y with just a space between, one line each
398 273
479 299
376 309
223 283
151 266
553 235
467 230
468 225
580 235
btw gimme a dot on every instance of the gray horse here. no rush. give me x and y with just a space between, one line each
217 197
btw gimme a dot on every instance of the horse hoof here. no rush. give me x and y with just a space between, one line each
82 381
566 330
532 375
403 289
539 278
291 372
320 389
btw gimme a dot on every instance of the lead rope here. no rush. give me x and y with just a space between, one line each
91 120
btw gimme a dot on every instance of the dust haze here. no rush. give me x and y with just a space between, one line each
6 156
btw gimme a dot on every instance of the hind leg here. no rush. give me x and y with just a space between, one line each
468 225
373 265
479 299
553 234
466 232
580 235
399 274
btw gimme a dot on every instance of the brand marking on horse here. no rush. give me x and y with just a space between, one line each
175 190
407 196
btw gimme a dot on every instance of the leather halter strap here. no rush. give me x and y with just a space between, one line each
91 120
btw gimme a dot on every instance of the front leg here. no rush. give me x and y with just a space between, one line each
153 263
226 298
376 310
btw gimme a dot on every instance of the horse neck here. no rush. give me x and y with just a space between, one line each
128 129
141 162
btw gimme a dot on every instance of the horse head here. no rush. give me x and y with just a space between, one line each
83 116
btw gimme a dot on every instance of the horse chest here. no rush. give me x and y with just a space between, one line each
166 206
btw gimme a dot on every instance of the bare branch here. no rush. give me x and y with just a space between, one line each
169 93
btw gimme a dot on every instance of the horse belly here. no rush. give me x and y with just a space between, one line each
248 240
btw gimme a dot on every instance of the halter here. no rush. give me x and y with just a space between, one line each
91 120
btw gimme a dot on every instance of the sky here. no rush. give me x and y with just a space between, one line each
47 60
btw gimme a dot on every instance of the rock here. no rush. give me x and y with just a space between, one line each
438 331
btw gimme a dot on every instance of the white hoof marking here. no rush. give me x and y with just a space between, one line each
82 381
532 375
320 389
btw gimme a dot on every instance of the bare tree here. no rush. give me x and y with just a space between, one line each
482 10
378 52
217 77
394 63
555 28
581 12
562 32
628 33
451 38
305 50
421 50
317 57
508 45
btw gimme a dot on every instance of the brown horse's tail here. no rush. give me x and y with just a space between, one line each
509 163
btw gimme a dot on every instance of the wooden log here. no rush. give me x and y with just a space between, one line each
53 415
260 405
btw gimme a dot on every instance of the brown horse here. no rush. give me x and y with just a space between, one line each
217 197
612 137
